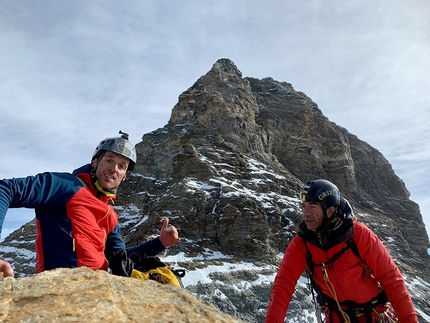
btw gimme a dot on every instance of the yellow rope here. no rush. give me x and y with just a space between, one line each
333 292
383 317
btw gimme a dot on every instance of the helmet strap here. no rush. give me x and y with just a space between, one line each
94 169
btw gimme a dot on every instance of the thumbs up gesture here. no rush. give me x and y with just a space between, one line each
168 234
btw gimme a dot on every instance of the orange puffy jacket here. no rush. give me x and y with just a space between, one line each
349 275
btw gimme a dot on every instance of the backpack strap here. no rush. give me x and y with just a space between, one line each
320 298
351 243
339 254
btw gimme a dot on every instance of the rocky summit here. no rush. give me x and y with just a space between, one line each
226 170
84 295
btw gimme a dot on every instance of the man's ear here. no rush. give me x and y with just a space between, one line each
330 211
94 162
125 176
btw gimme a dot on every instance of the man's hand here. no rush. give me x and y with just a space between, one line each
6 268
168 234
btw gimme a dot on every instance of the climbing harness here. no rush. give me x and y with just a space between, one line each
348 311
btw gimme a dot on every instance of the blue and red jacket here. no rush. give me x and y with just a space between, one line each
75 224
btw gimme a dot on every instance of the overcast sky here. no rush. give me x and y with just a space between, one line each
75 72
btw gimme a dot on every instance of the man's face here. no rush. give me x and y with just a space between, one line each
313 214
111 170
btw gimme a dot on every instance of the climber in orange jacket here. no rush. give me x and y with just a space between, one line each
353 277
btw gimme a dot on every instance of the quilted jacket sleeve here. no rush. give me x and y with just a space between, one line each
36 191
292 266
385 272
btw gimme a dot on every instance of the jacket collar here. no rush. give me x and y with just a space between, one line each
83 173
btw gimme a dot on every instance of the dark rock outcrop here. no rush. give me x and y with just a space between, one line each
224 123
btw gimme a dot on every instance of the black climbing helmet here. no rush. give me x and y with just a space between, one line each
322 191
119 145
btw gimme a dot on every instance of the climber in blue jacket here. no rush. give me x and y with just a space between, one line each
76 224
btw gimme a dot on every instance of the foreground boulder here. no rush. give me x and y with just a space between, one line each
84 295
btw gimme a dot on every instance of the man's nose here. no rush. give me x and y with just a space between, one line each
114 167
306 210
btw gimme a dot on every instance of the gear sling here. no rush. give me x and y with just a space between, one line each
353 310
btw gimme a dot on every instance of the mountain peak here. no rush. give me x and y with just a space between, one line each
226 170
227 66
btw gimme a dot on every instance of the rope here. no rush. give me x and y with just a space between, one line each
333 292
